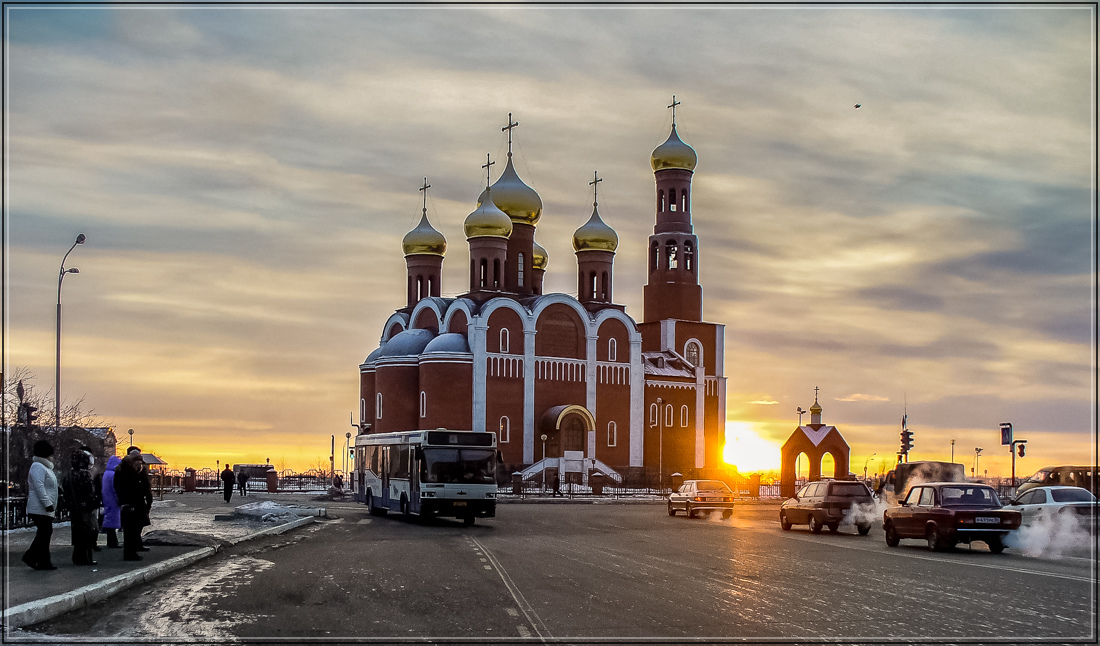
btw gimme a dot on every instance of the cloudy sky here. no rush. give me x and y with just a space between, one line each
245 174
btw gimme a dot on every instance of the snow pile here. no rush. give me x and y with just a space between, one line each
269 511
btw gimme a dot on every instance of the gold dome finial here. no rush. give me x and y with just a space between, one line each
674 153
487 219
539 257
424 239
595 235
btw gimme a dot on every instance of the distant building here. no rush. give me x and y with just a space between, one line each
815 440
505 357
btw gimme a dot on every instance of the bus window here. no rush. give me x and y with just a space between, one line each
399 461
468 466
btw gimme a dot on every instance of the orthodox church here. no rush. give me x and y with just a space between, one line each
558 375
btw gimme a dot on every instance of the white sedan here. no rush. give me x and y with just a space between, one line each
1041 504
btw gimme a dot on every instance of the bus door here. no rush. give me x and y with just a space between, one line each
414 479
384 472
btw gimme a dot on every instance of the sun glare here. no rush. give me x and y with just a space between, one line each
748 451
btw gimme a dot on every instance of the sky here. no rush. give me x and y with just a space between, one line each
244 175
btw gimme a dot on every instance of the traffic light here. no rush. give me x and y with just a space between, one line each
1020 450
30 414
906 440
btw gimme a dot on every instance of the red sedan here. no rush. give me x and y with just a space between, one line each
947 513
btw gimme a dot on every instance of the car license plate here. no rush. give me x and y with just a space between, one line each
460 503
988 520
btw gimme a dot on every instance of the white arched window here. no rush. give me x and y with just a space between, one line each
378 406
693 354
612 434
503 339
612 349
423 404
669 416
362 411
653 414
505 429
683 416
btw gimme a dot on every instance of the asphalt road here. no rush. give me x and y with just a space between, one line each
566 572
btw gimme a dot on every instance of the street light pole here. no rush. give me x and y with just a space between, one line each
544 463
131 432
977 453
952 451
865 464
661 443
57 371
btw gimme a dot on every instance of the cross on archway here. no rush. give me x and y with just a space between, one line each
596 179
671 105
513 124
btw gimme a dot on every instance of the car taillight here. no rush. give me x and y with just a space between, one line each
699 499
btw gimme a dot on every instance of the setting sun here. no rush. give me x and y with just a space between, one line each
748 451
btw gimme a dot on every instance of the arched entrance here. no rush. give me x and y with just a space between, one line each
813 443
566 429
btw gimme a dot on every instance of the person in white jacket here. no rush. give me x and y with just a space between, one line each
41 501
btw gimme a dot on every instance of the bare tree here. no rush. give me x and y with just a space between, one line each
73 413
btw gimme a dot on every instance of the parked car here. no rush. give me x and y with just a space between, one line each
1042 503
701 495
1063 476
947 513
828 504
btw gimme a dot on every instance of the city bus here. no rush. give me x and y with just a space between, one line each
428 473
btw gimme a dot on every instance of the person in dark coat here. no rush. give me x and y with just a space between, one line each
41 501
228 480
132 499
112 515
242 480
83 506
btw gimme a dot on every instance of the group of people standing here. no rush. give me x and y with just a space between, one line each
122 491
229 479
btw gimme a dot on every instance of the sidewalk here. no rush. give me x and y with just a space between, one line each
186 527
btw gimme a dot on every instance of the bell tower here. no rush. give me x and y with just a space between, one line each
673 290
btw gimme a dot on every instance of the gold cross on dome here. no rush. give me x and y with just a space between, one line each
596 179
511 124
673 106
486 166
424 189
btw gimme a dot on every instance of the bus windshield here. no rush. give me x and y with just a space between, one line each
473 466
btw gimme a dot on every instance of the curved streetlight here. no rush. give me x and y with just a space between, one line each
865 464
57 372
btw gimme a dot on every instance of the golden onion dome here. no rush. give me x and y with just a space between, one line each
424 239
539 257
595 235
673 154
515 198
487 220
816 408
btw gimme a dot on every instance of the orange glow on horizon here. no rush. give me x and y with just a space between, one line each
748 451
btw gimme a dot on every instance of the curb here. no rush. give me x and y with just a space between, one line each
41 610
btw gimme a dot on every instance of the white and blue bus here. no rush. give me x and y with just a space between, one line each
430 473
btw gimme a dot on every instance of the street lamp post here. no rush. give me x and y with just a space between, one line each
865 464
347 443
57 372
977 453
952 451
661 443
544 462
131 432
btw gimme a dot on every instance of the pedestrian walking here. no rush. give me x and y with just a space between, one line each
83 505
242 480
133 501
227 481
41 500
112 515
